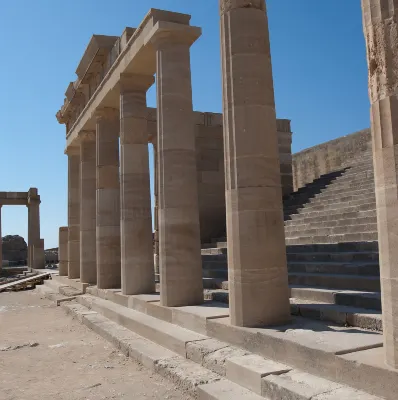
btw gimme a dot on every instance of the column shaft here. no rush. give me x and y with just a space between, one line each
381 31
156 211
73 213
1 244
136 220
88 263
63 251
108 199
258 280
179 232
34 245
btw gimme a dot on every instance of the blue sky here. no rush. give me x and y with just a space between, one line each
319 69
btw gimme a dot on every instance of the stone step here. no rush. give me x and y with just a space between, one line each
336 212
361 246
363 204
336 281
163 333
330 216
295 231
352 298
316 310
329 267
353 256
297 224
334 247
322 239
212 369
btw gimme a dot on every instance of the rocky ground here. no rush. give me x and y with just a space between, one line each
45 354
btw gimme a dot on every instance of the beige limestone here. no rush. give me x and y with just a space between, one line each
30 199
1 244
88 259
73 212
35 248
137 260
108 199
63 251
258 279
381 34
179 232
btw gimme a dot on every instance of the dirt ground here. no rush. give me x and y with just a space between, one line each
45 354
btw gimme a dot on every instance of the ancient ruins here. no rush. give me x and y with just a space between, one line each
225 286
30 199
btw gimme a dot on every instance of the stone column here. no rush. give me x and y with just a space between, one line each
34 230
63 251
156 211
88 263
73 212
108 199
381 32
179 233
258 280
1 243
136 219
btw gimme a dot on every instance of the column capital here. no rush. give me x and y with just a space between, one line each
166 33
72 151
228 5
63 228
107 113
135 82
87 136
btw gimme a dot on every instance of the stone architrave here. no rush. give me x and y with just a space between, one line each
136 219
381 34
88 263
258 279
179 233
63 251
73 212
108 199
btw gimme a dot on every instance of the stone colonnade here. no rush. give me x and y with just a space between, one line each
381 34
109 236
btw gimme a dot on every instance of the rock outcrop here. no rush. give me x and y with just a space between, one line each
14 248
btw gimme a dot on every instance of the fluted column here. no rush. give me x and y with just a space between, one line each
179 232
73 212
63 251
108 199
381 32
258 281
136 220
88 263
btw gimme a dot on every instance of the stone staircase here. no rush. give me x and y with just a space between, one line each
332 249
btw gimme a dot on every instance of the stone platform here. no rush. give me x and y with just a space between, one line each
309 356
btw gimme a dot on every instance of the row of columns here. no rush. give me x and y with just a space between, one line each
109 240
256 245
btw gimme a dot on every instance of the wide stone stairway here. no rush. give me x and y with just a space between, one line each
332 249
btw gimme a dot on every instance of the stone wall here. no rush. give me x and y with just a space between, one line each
210 168
337 154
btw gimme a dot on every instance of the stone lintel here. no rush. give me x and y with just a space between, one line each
228 5
165 32
108 113
135 82
73 150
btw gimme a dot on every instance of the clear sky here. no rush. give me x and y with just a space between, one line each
319 69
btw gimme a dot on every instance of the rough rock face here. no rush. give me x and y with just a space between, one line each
14 248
